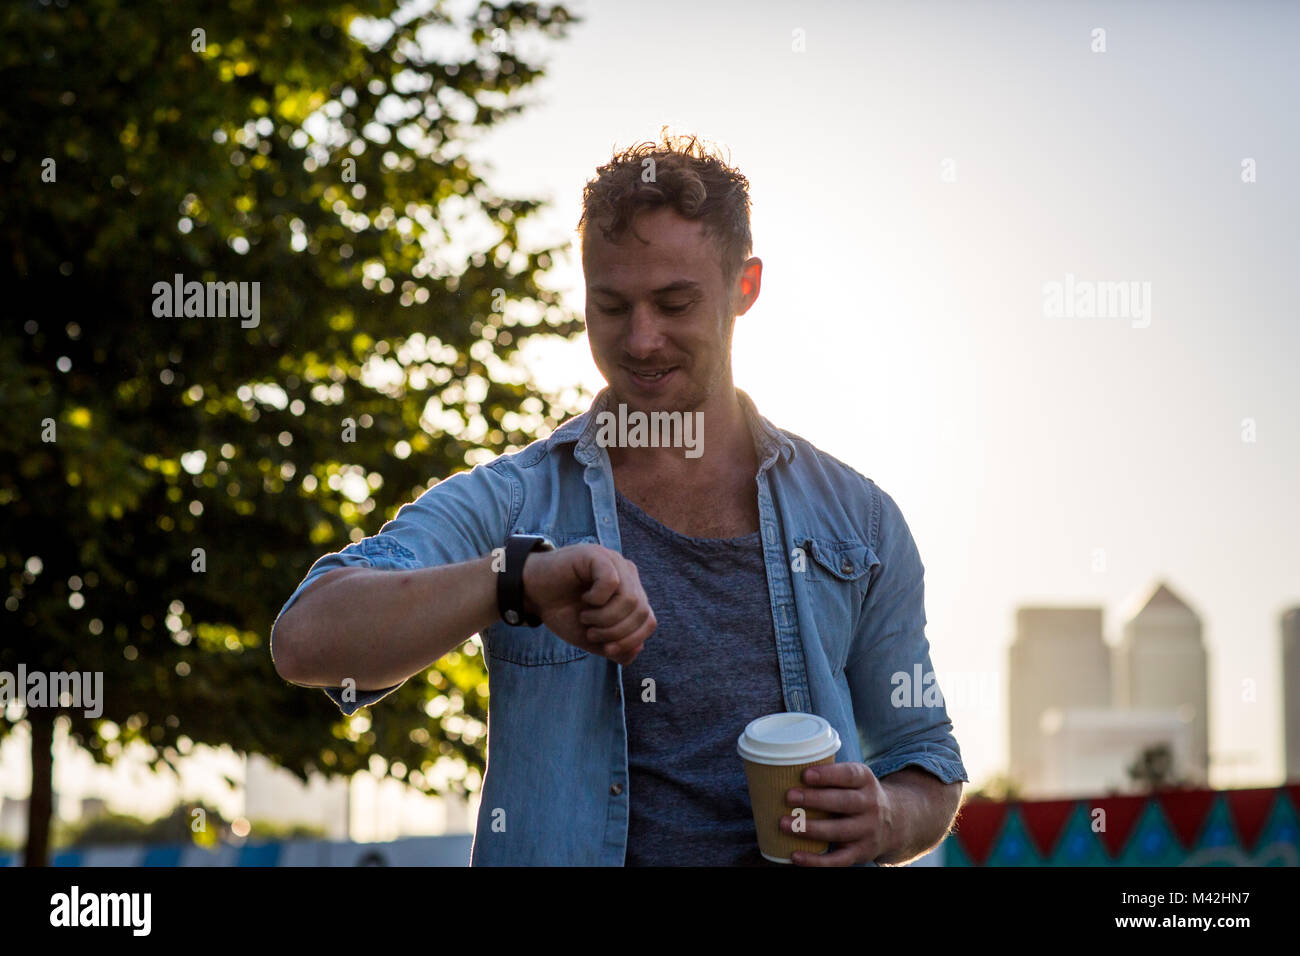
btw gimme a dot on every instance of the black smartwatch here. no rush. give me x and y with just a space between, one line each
510 579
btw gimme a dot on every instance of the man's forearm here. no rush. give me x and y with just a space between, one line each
923 810
380 627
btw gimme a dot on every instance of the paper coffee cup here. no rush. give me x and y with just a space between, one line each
776 750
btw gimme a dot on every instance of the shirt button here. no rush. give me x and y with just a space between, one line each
616 789
846 566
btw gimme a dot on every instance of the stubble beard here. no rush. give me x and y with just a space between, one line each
697 395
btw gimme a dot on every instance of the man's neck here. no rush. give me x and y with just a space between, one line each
725 443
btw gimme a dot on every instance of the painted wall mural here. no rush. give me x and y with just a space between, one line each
1191 827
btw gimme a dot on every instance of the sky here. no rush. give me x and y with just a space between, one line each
919 172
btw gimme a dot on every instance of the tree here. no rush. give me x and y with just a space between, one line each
1000 786
185 823
167 475
1153 769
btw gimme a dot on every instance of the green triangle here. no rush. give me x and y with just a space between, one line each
1152 842
1219 844
1014 846
953 852
1279 842
1078 845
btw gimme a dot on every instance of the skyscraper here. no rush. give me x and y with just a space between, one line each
1058 660
1291 691
1161 663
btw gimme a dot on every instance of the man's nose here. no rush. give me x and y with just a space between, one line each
643 338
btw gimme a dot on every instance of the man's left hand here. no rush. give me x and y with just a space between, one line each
864 823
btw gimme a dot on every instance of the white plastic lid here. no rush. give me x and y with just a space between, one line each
789 738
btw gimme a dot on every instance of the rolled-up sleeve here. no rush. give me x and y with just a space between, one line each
459 519
901 716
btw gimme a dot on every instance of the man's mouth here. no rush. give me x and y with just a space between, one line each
651 375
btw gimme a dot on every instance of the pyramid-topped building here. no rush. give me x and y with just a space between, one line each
1161 664
1162 598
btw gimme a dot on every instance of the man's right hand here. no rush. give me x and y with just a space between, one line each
590 597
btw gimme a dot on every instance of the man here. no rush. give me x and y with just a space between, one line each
692 584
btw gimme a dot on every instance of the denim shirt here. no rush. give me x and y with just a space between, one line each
847 598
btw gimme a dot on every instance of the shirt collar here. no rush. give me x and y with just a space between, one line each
769 441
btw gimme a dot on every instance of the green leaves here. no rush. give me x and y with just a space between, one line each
192 442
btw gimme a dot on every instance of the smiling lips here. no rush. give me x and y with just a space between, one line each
651 376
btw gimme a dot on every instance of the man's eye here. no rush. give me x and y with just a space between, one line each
612 309
676 309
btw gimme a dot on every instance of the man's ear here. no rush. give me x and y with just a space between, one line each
748 284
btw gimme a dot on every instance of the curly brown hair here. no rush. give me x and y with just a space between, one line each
688 175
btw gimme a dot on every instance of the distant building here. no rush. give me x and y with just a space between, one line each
65 809
1161 664
1058 660
1081 712
1291 691
1090 750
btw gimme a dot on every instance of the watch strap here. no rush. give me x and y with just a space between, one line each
510 579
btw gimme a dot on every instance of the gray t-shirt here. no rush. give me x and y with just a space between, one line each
713 662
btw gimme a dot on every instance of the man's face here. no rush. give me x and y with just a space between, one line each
658 315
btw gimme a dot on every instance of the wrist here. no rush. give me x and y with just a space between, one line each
894 819
512 598
530 580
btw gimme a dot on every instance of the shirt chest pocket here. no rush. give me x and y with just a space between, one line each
535 646
837 575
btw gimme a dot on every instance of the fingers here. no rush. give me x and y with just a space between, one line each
604 579
614 617
626 601
625 618
847 802
830 830
851 796
622 611
830 799
624 651
625 645
847 774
